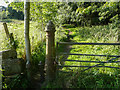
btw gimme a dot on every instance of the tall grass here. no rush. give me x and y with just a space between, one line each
93 77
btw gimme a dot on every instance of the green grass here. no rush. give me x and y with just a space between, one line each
93 77
17 28
74 78
103 34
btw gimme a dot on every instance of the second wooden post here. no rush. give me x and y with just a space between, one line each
50 52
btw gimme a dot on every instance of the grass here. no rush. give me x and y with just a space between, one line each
73 77
17 28
93 77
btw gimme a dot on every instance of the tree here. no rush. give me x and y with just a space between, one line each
27 39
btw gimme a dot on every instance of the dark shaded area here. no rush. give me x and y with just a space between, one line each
91 18
85 80
6 20
13 14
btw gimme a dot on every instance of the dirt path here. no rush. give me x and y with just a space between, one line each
67 49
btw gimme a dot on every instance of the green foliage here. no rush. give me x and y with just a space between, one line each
78 13
17 6
102 12
13 13
41 12
108 11
19 81
3 15
64 13
38 53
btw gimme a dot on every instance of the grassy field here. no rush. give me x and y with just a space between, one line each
95 34
93 77
17 28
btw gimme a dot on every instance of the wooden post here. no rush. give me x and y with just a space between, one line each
50 52
6 30
9 36
12 42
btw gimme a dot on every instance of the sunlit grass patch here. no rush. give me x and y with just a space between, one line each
94 34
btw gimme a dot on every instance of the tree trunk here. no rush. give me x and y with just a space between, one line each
27 40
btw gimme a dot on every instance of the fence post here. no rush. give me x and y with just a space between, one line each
50 52
9 36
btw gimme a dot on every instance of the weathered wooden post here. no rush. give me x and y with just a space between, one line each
10 37
50 52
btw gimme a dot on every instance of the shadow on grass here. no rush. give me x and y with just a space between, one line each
85 80
89 79
6 20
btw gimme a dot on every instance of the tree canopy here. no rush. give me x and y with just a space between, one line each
79 13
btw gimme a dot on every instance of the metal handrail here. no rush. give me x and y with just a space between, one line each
76 43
